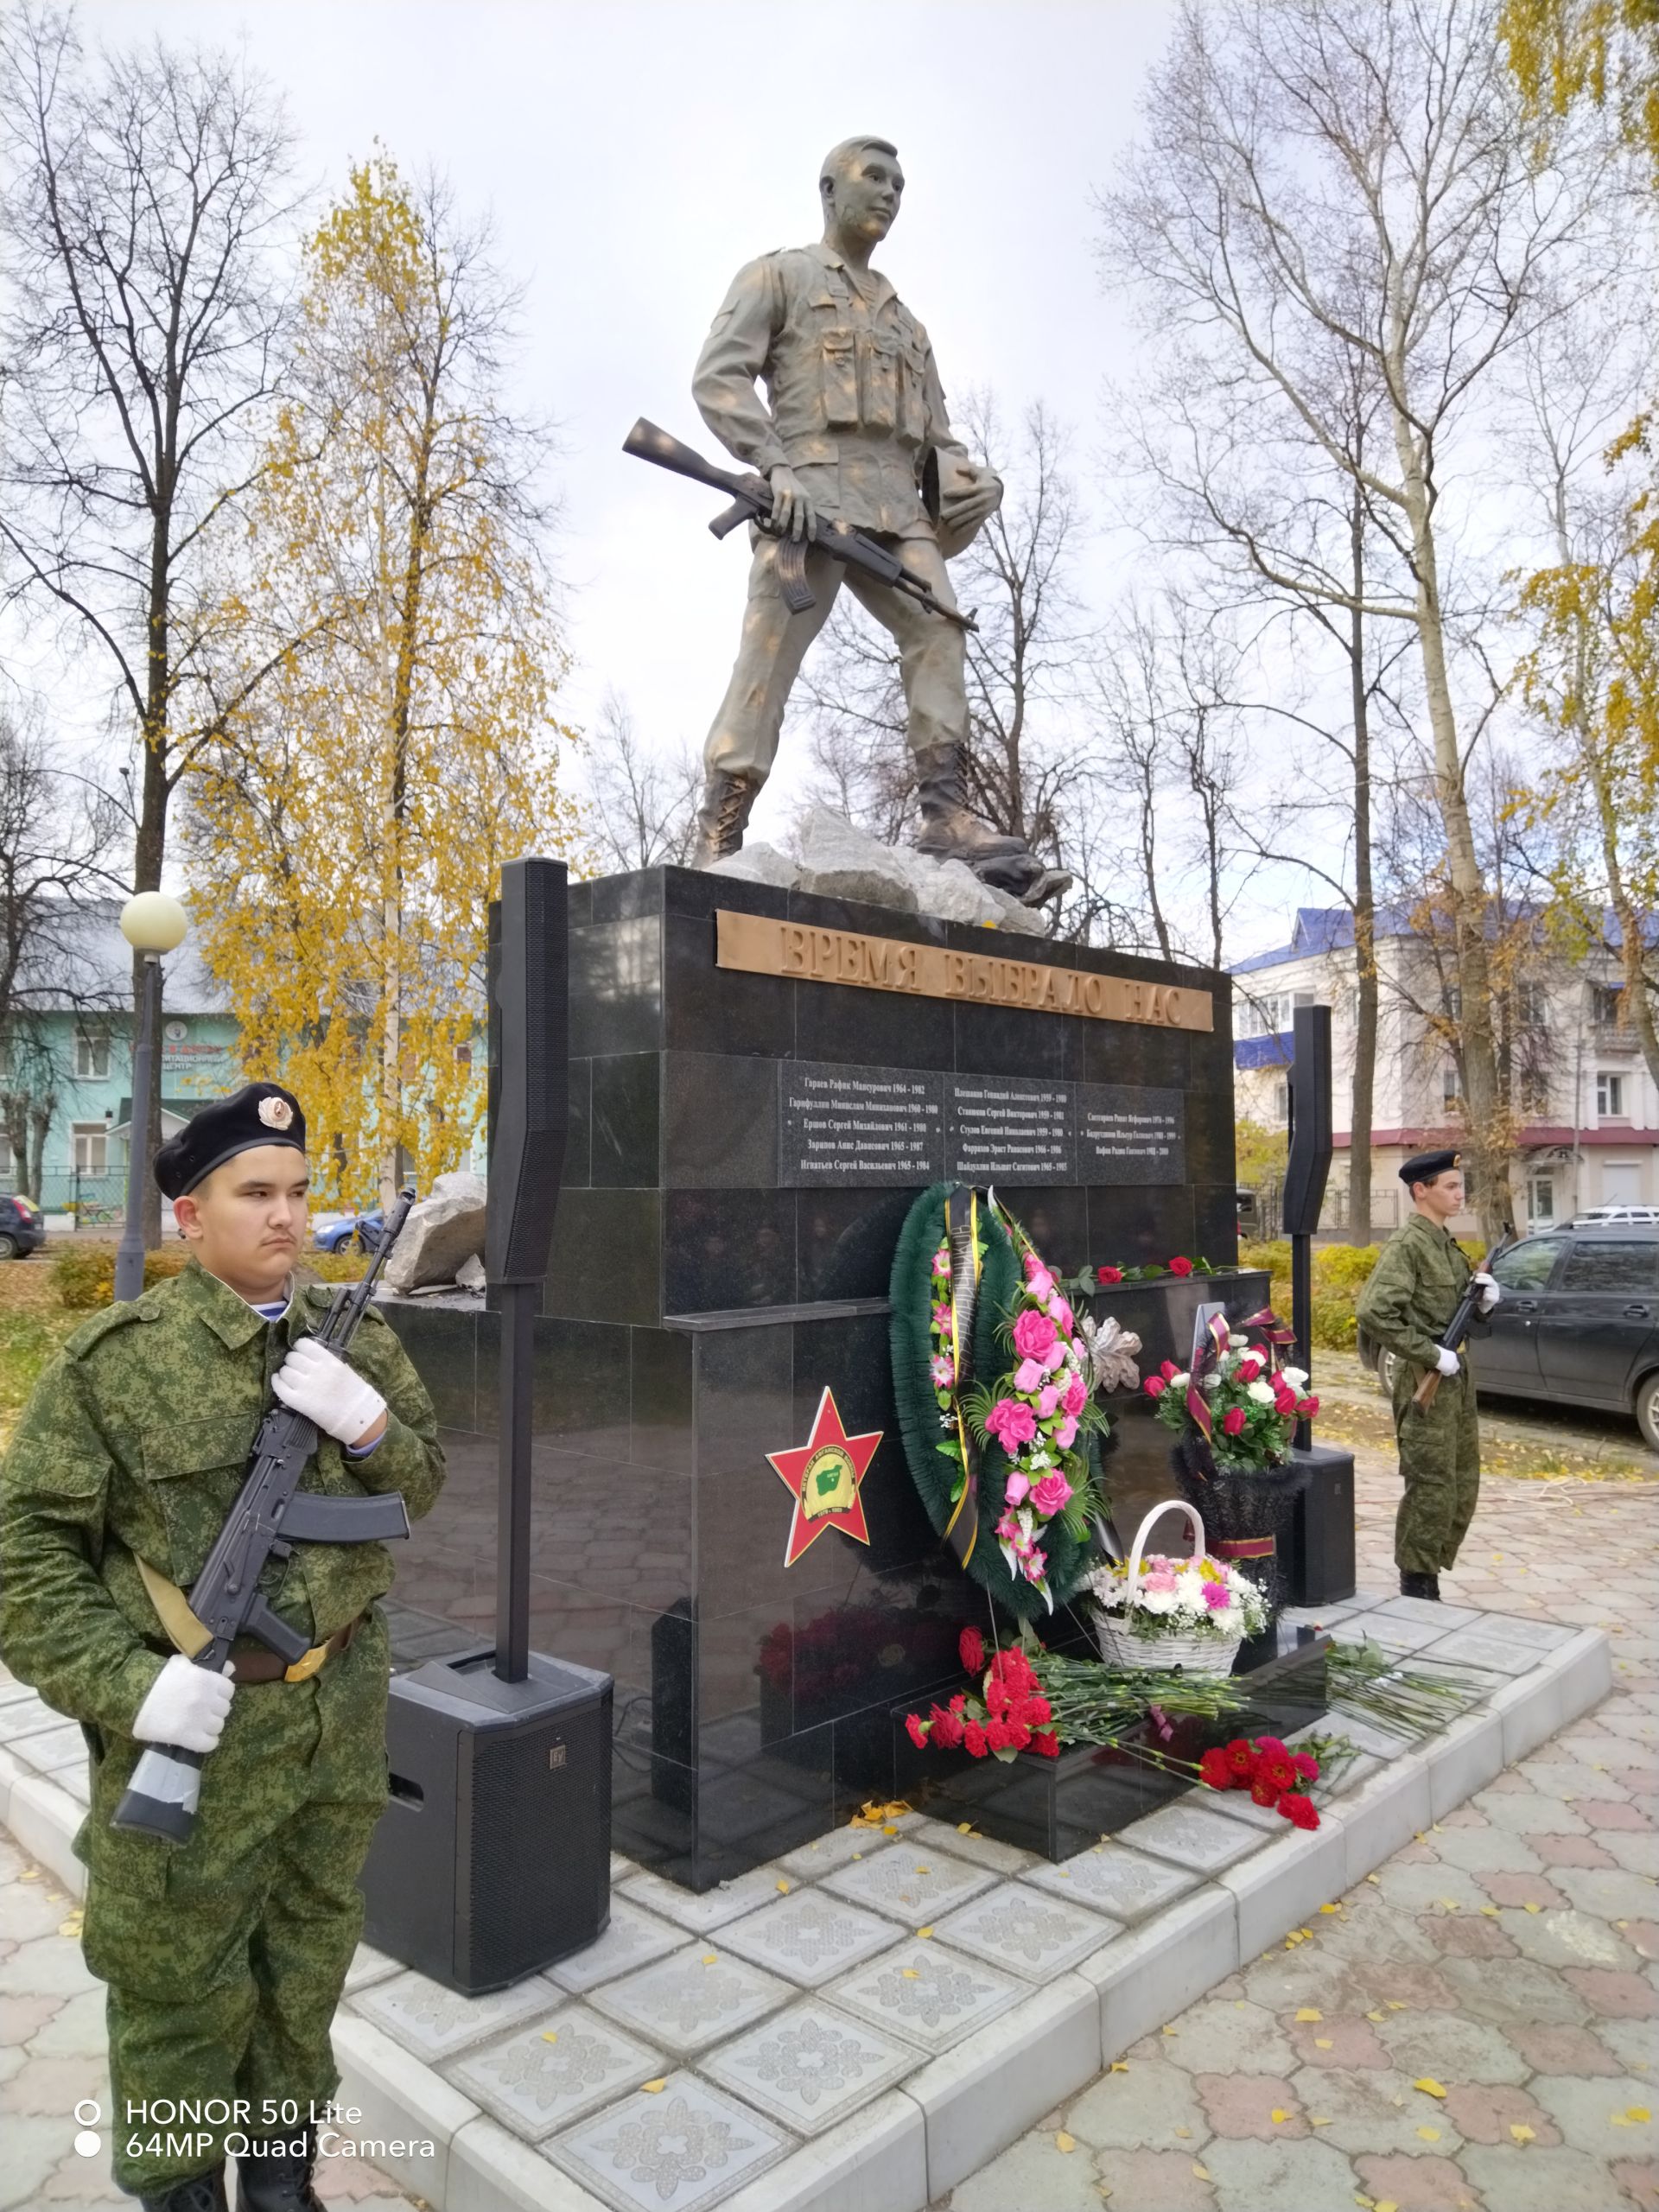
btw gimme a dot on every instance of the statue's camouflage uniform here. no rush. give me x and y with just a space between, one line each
1412 1295
225 1957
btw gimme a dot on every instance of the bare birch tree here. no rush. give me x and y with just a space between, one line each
141 206
1330 182
642 805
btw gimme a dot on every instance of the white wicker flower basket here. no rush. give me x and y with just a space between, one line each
1210 1652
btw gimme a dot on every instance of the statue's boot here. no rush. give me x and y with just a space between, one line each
201 2193
951 831
723 815
277 2181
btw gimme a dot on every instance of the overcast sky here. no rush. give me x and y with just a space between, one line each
634 153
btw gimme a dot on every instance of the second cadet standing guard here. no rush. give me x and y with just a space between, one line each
1414 1290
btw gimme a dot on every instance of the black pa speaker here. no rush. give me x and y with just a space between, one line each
530 1067
492 1858
1322 1544
1309 1160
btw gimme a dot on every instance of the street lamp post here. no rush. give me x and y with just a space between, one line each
152 924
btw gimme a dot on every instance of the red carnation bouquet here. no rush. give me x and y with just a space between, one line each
1272 1773
1009 1714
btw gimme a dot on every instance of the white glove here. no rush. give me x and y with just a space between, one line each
319 1385
1447 1362
186 1706
1489 1293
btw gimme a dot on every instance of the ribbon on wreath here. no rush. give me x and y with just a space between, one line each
1209 1342
1273 1331
962 1236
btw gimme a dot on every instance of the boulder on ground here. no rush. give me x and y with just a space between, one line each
443 1231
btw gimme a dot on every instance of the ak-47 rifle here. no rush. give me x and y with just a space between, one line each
750 498
271 1514
1455 1333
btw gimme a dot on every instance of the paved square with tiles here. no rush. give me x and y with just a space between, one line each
1471 2025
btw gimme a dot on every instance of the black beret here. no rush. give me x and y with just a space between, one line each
260 1113
1424 1166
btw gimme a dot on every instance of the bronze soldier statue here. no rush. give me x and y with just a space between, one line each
225 1956
854 430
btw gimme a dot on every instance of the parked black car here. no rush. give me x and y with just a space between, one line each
1578 1323
23 1229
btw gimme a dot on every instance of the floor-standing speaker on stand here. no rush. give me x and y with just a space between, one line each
494 1858
1322 1545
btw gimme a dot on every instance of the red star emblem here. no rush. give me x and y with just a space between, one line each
822 1476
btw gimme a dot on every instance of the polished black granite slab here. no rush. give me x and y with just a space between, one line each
701 1297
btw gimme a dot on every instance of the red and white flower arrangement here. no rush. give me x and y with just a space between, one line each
1272 1773
1037 1412
1253 1402
1008 1715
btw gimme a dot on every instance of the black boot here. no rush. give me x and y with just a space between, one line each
723 816
1418 1586
276 2180
201 2193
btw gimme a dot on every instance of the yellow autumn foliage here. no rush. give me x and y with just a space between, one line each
347 834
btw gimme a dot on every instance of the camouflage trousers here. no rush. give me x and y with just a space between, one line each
226 1957
1439 1467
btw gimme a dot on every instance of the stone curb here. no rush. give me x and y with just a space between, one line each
960 2109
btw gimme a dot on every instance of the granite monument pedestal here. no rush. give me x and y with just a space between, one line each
743 1147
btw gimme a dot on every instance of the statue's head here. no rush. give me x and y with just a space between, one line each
860 183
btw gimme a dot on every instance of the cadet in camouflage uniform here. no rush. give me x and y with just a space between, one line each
1405 1308
225 1956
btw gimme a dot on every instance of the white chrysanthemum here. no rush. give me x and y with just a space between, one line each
1261 1392
1189 1588
1158 1601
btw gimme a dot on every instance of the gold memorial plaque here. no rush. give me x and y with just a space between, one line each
762 946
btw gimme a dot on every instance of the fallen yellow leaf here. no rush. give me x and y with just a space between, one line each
923 1933
1200 2169
1387 2204
924 1870
1374 2016
1521 2132
1309 2013
1429 2134
783 1886
1120 2066
965 1828
1323 2042
910 1974
708 1958
655 2088
1329 1908
1429 2086
1184 2133
550 2035
1279 2115
1531 1908
30 1874
1065 2142
1318 2123
1169 2031
1490 1911
1633 2116
1394 2004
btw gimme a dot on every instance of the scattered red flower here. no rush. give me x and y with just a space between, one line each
1269 1771
1177 1266
1106 1275
1046 1743
1155 1385
971 1646
917 1729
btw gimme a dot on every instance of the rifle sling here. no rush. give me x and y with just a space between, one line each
188 1634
